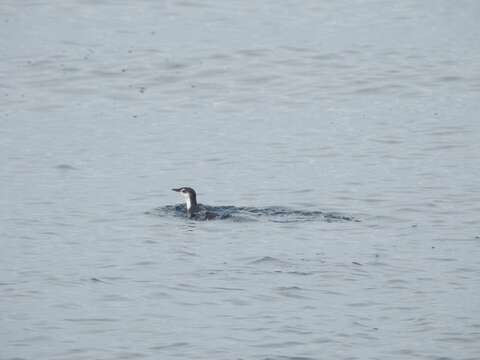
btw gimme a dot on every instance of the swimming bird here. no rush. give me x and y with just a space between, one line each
195 210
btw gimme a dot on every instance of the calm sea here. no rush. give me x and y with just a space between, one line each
366 108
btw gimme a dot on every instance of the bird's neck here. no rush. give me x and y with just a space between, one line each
191 202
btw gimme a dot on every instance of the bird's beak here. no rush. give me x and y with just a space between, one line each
177 190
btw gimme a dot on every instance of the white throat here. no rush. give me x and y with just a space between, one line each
187 200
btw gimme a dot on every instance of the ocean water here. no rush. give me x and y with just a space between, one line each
366 109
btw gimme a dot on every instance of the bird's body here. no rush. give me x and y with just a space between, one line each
195 210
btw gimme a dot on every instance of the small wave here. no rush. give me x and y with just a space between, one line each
276 214
65 167
268 260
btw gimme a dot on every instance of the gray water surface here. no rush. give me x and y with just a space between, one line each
368 109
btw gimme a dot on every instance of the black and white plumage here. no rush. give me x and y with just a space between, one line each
195 210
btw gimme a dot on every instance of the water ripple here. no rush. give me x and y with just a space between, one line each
276 214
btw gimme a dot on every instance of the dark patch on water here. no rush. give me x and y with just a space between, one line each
65 167
277 214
